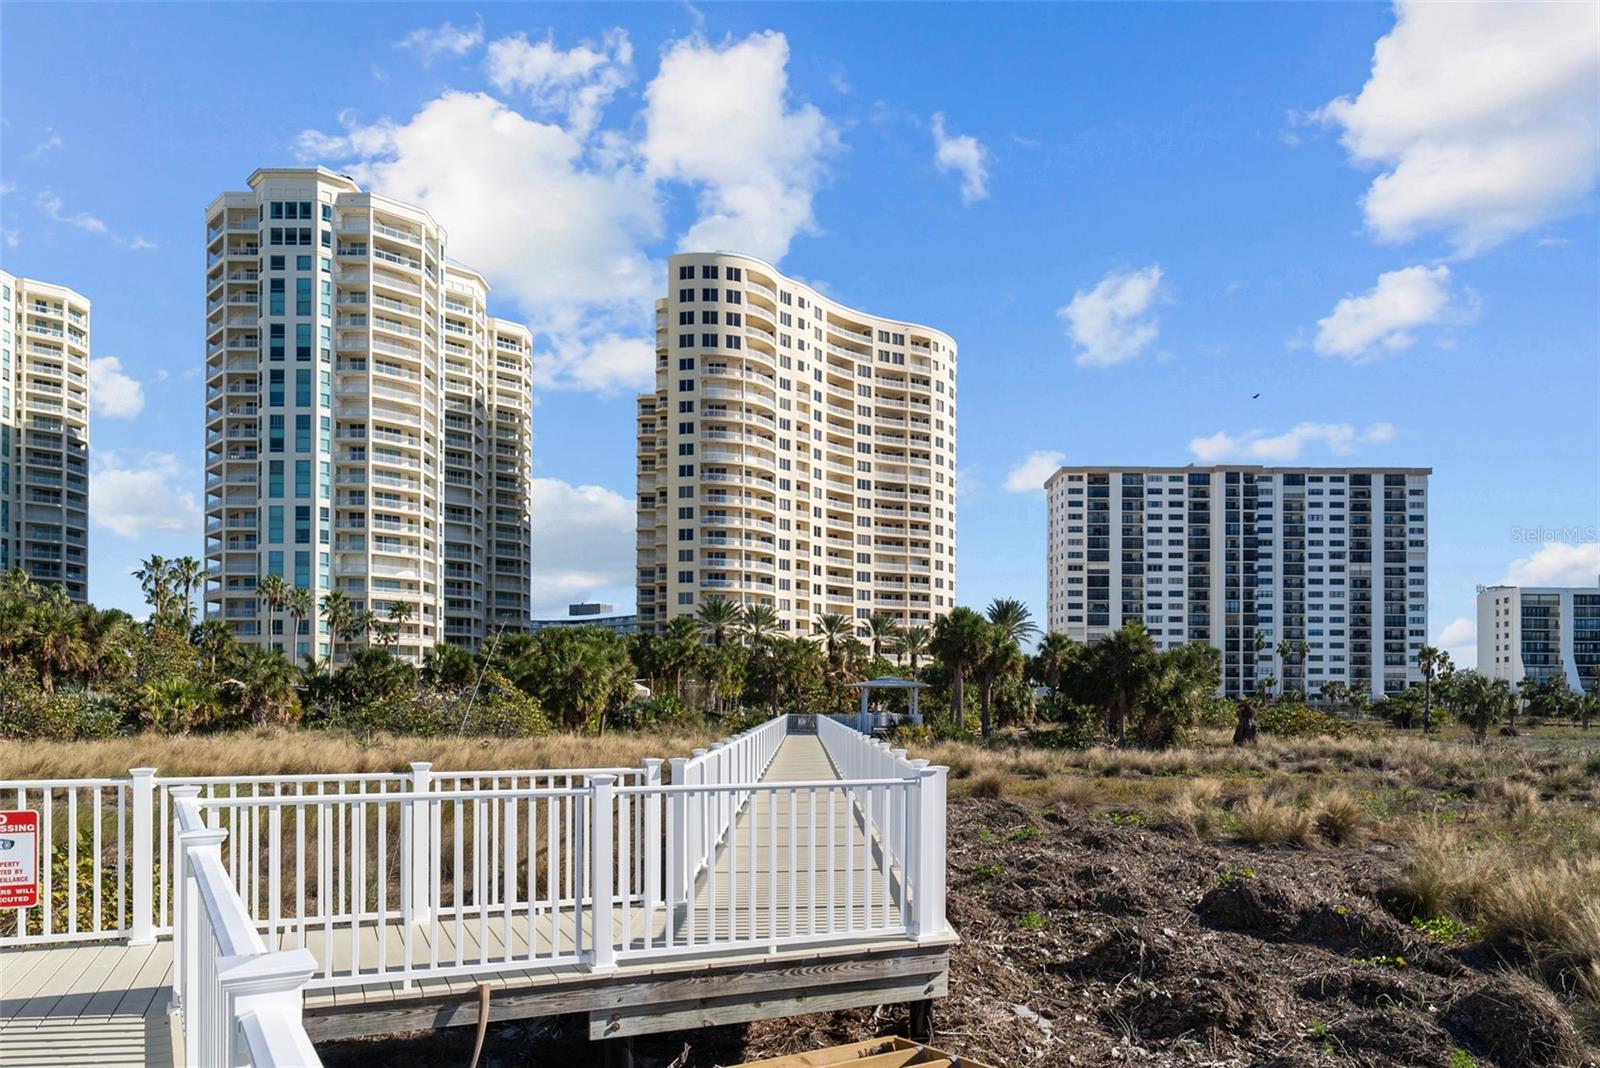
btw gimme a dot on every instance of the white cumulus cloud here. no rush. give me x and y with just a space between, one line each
1256 445
1484 119
135 497
557 209
111 392
576 83
1386 317
1112 323
720 118
1557 563
1029 475
965 155
445 39
1459 638
584 541
523 202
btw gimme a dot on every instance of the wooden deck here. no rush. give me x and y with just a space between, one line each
91 1004
107 1004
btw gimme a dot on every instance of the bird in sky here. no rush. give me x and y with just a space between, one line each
1253 396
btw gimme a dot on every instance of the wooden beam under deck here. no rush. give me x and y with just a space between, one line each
662 997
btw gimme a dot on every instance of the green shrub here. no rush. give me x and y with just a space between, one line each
1298 721
27 711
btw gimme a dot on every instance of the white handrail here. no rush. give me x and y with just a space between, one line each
239 1004
918 847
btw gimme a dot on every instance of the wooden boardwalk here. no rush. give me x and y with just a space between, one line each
90 1004
106 1004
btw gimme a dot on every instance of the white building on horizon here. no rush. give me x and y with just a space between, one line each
1540 632
1335 558
44 433
795 453
368 423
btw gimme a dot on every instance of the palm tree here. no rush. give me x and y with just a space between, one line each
1054 654
881 627
155 579
1260 644
300 606
1285 650
1010 623
366 624
274 594
958 642
716 616
1123 663
758 623
1483 700
56 640
214 641
264 682
399 616
834 628
680 646
1431 662
187 574
112 640
341 619
174 705
912 644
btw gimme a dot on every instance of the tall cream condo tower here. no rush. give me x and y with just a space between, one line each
796 453
367 422
44 433
1540 633
1331 559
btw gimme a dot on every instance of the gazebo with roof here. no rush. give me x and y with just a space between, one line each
886 682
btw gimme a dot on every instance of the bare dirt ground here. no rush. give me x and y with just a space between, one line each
1092 939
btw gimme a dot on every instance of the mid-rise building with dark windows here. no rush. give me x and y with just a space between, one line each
1301 577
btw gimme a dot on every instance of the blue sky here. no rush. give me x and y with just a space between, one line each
1131 217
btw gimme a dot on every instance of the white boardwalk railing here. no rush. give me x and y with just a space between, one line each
238 1003
271 885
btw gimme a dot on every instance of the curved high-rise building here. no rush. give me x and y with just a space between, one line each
44 433
367 421
795 453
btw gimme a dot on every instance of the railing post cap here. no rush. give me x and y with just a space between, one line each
209 836
182 793
698 752
718 744
653 762
421 765
142 773
601 778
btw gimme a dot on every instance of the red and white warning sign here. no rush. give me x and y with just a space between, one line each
19 860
